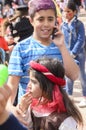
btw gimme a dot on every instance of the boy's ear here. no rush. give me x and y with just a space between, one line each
30 19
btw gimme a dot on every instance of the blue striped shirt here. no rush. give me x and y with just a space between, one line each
25 51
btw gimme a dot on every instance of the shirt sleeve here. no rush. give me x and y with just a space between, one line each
68 124
12 124
15 66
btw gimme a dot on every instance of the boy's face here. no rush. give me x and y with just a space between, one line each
43 23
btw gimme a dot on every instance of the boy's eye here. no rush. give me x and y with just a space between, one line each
40 19
50 19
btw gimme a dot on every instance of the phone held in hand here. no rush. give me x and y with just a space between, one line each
54 31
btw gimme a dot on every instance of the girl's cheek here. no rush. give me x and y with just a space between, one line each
28 89
70 14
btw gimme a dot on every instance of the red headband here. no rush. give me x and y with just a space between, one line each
57 80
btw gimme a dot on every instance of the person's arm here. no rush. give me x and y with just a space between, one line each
7 120
4 95
10 122
71 68
13 82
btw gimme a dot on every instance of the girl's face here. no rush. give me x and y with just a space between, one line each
43 23
69 14
34 87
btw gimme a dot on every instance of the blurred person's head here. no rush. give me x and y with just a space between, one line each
70 10
20 24
9 38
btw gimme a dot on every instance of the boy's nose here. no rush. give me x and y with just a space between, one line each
46 23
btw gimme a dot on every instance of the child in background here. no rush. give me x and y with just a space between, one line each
11 42
74 34
49 106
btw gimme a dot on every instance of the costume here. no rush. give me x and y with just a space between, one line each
74 34
54 122
25 51
3 44
13 124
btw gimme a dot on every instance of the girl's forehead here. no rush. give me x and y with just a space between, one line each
67 9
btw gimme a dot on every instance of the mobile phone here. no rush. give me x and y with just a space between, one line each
53 33
54 30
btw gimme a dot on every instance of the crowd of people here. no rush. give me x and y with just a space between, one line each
44 57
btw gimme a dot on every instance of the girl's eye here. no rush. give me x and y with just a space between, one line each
33 81
68 11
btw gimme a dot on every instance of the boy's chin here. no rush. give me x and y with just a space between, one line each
45 37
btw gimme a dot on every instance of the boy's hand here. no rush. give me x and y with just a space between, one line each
59 39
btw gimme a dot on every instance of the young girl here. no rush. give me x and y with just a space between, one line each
74 34
49 106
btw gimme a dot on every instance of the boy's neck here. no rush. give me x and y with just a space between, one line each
43 41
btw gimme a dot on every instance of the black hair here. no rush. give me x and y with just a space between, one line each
71 5
77 2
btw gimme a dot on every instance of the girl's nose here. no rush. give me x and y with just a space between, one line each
29 85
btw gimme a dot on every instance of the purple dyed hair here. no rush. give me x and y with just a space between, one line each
37 5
